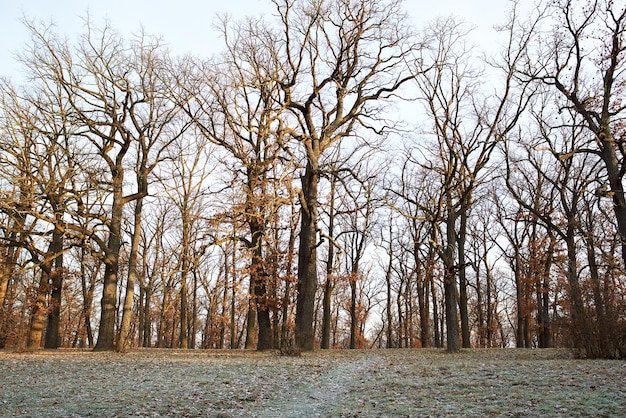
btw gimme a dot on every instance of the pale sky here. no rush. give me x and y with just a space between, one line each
186 25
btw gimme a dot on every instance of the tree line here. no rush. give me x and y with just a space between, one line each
336 177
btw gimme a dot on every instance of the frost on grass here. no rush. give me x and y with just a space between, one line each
324 383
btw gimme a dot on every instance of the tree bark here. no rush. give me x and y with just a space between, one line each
453 339
127 312
465 328
108 305
307 256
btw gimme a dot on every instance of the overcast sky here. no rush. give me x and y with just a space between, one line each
186 25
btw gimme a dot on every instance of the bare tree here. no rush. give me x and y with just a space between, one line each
108 87
581 57
234 103
339 61
467 125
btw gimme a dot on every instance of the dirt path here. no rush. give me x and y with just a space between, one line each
319 399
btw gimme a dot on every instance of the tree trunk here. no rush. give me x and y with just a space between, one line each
615 181
233 296
108 305
453 338
353 313
388 306
87 292
38 311
123 341
52 338
183 341
581 332
284 332
401 330
543 299
328 286
438 341
598 300
307 258
465 329
258 279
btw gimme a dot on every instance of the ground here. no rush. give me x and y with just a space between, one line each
373 383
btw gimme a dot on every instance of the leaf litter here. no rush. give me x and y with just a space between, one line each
335 383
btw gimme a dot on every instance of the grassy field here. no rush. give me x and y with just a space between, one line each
376 383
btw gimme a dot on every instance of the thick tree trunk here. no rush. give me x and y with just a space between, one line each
124 334
307 259
108 305
453 339
50 285
258 279
543 299
615 175
38 311
53 338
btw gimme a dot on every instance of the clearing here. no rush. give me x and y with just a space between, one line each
336 383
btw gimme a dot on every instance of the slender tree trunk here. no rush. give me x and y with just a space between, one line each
490 328
233 324
284 333
581 334
222 322
147 322
184 269
598 300
465 329
401 327
87 292
328 285
438 329
353 313
183 340
423 284
388 306
194 310
480 305
252 331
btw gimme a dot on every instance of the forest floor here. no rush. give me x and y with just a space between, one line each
336 383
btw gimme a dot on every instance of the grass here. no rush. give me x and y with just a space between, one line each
375 383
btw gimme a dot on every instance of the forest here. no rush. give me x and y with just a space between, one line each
336 177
